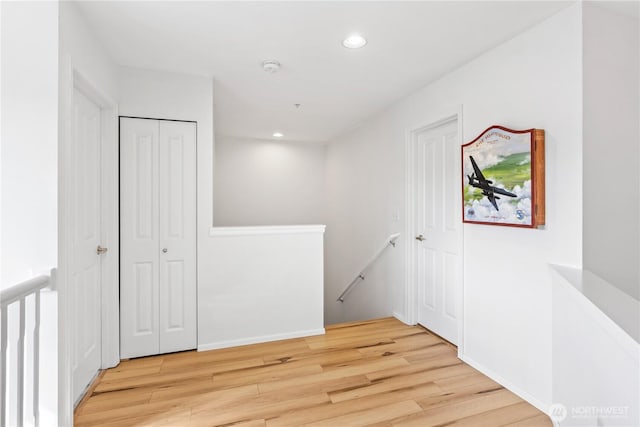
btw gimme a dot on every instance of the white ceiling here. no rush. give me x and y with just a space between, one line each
410 45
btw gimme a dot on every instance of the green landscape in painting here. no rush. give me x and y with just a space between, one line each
513 170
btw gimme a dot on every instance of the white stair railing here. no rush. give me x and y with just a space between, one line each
390 241
18 294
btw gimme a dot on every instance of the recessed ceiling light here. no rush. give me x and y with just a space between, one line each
277 135
354 41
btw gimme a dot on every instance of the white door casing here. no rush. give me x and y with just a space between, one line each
438 230
158 236
85 263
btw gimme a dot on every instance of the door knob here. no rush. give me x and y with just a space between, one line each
420 237
100 250
165 250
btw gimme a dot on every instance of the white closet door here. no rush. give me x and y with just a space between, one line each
177 236
158 236
139 238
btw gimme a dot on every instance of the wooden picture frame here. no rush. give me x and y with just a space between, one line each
503 178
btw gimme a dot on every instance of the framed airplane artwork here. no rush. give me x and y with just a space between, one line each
503 178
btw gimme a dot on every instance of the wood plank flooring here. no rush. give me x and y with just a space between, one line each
377 373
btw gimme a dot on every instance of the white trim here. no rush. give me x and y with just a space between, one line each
461 297
260 339
402 318
268 229
65 399
110 238
506 384
83 84
411 290
70 79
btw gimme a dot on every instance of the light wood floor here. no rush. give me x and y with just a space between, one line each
378 372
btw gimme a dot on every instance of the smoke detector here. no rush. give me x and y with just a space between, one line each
271 65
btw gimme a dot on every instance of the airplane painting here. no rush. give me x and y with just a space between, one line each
476 179
503 178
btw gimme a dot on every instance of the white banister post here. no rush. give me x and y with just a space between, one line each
20 360
36 361
3 367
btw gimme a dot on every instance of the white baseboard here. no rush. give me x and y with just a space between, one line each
506 384
259 339
402 318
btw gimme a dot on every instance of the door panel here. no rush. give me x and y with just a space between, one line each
428 181
437 219
450 176
177 236
158 236
144 291
85 264
175 295
139 238
145 202
450 268
427 265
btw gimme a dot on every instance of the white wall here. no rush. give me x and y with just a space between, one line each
266 285
533 80
612 147
80 49
29 138
259 182
29 177
365 201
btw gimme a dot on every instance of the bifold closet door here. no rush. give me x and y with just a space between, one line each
157 236
178 305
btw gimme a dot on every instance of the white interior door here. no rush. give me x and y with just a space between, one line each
85 265
438 229
158 236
